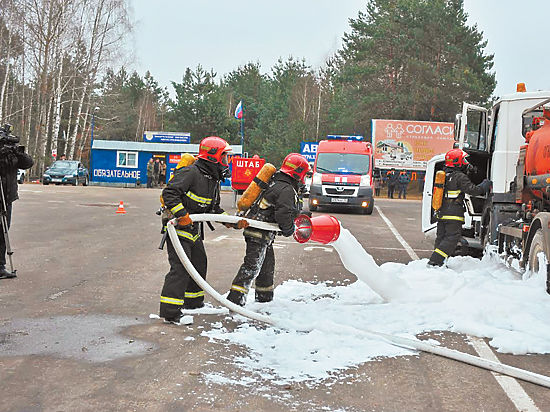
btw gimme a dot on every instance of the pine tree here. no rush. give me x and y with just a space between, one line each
409 59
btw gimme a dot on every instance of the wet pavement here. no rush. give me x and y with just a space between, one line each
92 338
75 332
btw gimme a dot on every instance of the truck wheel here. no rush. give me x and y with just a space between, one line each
370 208
312 208
537 247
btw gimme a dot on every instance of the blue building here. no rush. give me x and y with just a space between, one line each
118 163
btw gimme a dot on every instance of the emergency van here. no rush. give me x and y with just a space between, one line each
342 174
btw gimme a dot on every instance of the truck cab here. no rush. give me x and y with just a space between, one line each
492 138
343 174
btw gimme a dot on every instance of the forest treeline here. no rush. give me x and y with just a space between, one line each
61 66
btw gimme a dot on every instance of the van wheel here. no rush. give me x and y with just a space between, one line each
370 208
535 257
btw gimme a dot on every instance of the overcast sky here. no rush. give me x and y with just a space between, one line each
171 35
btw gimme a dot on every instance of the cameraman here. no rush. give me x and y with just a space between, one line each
12 158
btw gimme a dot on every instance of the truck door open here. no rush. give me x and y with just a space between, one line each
472 134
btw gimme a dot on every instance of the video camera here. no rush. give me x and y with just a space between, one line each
9 149
6 138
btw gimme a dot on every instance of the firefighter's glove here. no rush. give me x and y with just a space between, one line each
241 224
486 185
184 220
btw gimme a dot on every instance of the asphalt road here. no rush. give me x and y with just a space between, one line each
75 332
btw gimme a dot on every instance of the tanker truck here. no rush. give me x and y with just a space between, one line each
510 145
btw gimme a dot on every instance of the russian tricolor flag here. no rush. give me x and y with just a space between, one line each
239 111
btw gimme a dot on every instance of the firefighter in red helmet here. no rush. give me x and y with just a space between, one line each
279 203
192 189
450 216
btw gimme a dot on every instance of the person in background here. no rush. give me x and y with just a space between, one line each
156 172
12 158
162 174
403 181
150 173
62 157
391 181
280 204
377 181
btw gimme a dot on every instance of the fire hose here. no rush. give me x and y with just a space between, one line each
399 341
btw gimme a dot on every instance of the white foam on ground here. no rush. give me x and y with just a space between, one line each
476 297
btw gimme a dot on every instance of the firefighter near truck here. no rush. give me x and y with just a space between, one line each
508 144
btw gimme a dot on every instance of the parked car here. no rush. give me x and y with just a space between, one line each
20 176
65 172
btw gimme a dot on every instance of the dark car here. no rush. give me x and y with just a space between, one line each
65 172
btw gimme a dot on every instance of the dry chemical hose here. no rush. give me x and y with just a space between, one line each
394 340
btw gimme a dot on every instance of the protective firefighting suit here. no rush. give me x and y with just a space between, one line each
193 189
278 204
451 215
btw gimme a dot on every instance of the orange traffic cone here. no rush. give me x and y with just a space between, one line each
121 208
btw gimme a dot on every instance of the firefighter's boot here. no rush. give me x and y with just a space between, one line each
264 297
436 260
238 298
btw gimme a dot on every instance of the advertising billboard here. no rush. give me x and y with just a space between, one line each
409 144
166 137
309 150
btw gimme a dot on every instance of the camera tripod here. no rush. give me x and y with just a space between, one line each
4 216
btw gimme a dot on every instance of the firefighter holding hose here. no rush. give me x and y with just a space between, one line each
192 189
450 213
279 203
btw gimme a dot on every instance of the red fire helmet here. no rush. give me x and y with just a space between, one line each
215 150
295 165
456 158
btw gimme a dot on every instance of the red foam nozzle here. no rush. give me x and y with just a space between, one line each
323 229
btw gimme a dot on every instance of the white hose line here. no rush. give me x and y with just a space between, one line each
394 340
212 217
498 367
198 278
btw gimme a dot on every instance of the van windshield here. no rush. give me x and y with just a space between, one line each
343 163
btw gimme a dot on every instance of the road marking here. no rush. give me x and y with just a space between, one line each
326 249
220 238
511 387
409 249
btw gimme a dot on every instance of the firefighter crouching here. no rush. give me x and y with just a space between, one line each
451 214
192 189
277 204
